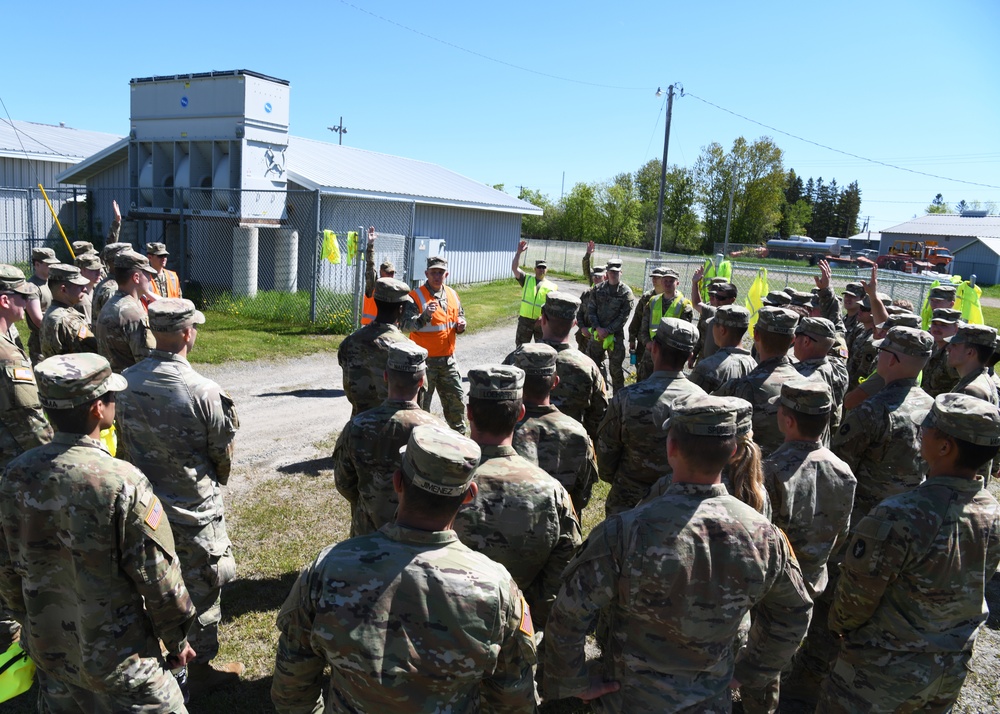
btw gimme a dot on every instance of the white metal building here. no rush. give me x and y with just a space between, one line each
973 239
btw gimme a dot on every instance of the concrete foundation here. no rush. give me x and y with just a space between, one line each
245 242
286 261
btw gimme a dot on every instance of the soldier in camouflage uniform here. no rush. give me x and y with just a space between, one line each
461 639
772 337
872 382
661 574
65 329
42 259
90 267
87 558
178 428
546 437
522 518
611 304
362 355
852 296
105 290
630 442
814 336
637 336
22 424
669 303
730 360
720 292
938 377
910 598
596 277
367 451
123 335
969 351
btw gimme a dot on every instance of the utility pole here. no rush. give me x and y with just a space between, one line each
729 216
663 167
341 130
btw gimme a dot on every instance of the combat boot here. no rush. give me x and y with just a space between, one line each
205 677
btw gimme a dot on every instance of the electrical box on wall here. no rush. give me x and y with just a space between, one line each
424 248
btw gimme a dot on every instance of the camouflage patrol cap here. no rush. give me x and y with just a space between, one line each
962 416
777 320
789 290
62 273
496 382
406 356
541 264
437 261
67 381
12 280
671 273
439 460
597 270
800 298
391 290
614 265
130 260
723 290
777 298
943 292
88 261
387 266
158 249
561 305
679 334
901 319
805 395
703 416
910 341
113 249
733 316
536 358
82 246
744 414
44 255
718 281
896 310
657 272
946 315
974 335
855 289
866 303
819 328
173 315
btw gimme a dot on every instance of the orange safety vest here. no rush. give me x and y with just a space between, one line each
437 336
173 284
368 310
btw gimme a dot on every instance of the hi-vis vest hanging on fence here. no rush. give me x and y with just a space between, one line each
755 298
437 336
532 299
725 270
675 309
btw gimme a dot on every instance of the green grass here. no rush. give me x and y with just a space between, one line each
237 338
991 316
491 304
991 291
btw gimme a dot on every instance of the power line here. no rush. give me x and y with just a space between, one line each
17 133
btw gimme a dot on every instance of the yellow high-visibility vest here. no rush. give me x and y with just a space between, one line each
532 299
676 309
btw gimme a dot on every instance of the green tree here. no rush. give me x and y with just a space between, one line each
542 226
619 208
680 222
938 206
848 208
580 218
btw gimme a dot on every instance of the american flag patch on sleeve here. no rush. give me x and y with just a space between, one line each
154 514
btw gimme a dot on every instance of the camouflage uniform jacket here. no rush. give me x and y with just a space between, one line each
913 575
123 335
524 520
727 363
560 447
362 357
178 428
834 373
637 330
65 331
705 346
103 292
673 579
832 308
631 444
22 424
881 445
861 361
35 331
85 307
459 630
811 492
978 384
87 563
367 455
938 377
851 323
610 306
760 385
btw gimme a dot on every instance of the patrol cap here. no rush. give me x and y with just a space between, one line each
391 290
946 315
789 290
597 270
387 266
173 315
800 298
158 249
943 292
406 356
62 273
722 290
733 316
866 303
561 305
910 341
974 335
744 414
44 255
496 382
536 358
679 334
819 328
67 381
777 320
541 264
902 319
130 260
437 261
82 246
805 395
12 280
896 310
614 266
962 417
703 416
718 281
671 273
855 289
656 272
776 298
439 460
113 249
88 261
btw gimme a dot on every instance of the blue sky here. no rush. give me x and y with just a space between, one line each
908 83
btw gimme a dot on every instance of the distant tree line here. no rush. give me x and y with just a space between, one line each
939 205
767 202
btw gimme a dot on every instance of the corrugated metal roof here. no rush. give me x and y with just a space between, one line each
992 243
44 142
950 224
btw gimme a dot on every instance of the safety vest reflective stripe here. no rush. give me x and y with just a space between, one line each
532 299
676 309
173 284
438 335
368 310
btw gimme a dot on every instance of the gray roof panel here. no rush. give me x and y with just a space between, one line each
949 224
45 142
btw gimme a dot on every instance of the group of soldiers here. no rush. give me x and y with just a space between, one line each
113 543
760 535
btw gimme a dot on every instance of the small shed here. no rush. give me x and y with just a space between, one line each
972 238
